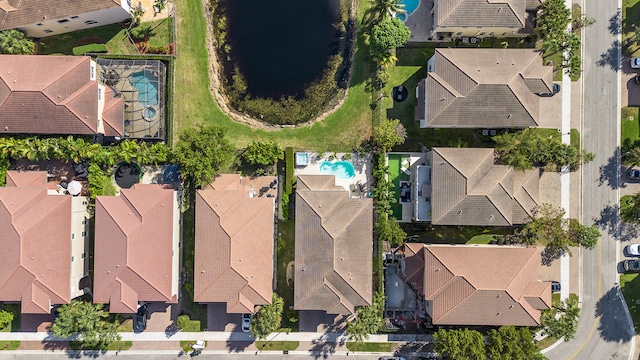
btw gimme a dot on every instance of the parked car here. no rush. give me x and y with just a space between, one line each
554 90
391 358
635 63
633 249
555 287
140 319
246 320
634 174
631 265
636 78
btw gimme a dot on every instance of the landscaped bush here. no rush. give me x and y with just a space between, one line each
90 48
183 321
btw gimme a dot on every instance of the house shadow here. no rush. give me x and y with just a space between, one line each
613 325
238 346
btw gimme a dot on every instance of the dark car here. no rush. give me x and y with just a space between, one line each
555 88
555 286
634 174
140 319
631 265
636 78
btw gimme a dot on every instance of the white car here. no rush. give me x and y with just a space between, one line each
246 320
635 63
633 249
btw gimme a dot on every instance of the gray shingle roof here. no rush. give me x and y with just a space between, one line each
480 13
485 88
469 189
333 247
17 13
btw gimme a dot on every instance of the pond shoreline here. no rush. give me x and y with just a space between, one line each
216 73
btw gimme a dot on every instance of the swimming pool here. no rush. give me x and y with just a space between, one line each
147 85
410 6
341 169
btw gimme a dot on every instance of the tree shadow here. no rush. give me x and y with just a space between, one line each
171 330
238 346
54 344
324 347
610 57
615 23
609 221
610 171
613 324
548 256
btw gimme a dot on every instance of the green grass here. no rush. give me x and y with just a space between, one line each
630 286
285 255
13 326
630 127
627 212
192 326
9 345
482 239
194 104
371 346
452 234
185 345
114 36
126 326
546 342
195 310
630 19
277 345
395 176
114 346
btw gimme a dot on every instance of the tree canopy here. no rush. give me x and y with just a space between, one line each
368 320
262 153
202 152
15 42
462 344
267 319
389 133
390 230
551 24
89 321
506 343
510 342
381 10
564 325
388 35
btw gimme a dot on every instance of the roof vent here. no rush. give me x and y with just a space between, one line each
499 296
509 116
499 9
498 314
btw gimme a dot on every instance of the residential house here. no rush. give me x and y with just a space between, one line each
483 18
44 241
478 285
334 246
137 248
485 88
234 248
42 18
56 95
468 188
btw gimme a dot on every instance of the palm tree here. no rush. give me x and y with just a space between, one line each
386 60
15 42
382 10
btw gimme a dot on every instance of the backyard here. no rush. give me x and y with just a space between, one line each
630 286
630 20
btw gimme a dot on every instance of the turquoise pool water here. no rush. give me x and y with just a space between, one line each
341 169
147 86
410 6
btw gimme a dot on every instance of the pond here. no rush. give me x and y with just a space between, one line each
280 46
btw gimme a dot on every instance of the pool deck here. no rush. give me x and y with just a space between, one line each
393 159
420 22
361 165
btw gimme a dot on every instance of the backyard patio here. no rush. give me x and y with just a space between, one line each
352 171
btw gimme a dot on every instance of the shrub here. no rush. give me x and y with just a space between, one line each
183 321
90 48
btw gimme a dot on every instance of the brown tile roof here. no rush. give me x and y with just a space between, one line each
26 178
478 285
36 244
333 247
486 88
234 243
134 248
469 189
17 13
52 95
113 114
480 13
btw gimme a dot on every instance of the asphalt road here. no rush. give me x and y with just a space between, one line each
141 356
604 330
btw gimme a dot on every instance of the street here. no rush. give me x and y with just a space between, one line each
604 331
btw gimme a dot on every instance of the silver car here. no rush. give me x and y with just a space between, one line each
635 63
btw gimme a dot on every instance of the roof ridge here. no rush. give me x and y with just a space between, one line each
506 288
441 290
440 81
453 9
348 283
526 109
146 281
26 207
346 225
310 294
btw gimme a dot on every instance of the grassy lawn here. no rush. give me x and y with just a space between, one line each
126 326
629 125
371 347
185 345
630 286
115 346
482 239
13 326
194 104
277 345
192 326
630 19
627 213
546 342
196 311
285 255
113 35
453 234
395 176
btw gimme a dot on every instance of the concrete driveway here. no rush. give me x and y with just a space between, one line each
630 92
219 320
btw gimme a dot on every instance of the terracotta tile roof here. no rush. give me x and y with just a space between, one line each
478 285
480 13
134 248
234 243
26 178
469 189
52 95
333 247
113 114
485 88
36 243
17 13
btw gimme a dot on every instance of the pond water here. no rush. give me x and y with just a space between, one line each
281 45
